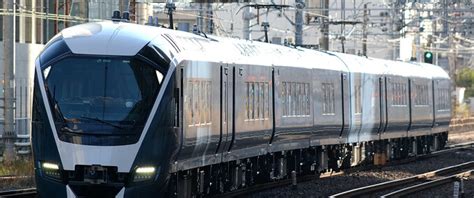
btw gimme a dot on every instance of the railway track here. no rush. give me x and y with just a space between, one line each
10 177
28 192
413 184
428 185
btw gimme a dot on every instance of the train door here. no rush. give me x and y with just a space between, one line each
345 105
226 108
383 105
434 93
410 101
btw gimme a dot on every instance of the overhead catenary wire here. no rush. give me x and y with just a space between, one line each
222 28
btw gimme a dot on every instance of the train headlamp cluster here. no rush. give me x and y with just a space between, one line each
51 170
144 173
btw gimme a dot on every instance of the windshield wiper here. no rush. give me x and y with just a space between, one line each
102 121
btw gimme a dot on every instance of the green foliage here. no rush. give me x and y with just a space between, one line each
465 78
462 111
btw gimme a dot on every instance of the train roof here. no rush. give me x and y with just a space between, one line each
126 39
108 38
360 64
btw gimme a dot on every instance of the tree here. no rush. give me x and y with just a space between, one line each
465 78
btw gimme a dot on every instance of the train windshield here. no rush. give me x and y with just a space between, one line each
92 98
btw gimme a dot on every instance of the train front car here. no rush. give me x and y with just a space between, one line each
103 112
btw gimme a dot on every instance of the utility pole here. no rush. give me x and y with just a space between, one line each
364 31
246 16
343 26
324 41
452 72
210 15
200 18
393 15
171 8
9 134
445 15
299 22
265 26
124 6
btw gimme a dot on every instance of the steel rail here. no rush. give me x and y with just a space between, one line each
27 192
427 185
390 184
7 177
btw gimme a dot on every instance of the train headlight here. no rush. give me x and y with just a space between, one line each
144 173
51 170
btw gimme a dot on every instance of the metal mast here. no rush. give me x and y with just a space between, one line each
9 134
299 22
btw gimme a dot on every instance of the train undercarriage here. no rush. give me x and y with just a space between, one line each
230 176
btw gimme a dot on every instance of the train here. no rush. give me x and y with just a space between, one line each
128 110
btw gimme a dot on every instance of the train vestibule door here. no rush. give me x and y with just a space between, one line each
226 108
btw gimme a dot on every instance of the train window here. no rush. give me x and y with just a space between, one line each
247 103
200 101
307 94
225 95
266 96
302 103
447 102
257 100
283 99
298 99
394 94
303 99
202 104
262 100
252 101
399 94
295 99
443 99
101 96
404 94
421 95
257 103
195 95
191 101
358 99
288 99
209 101
328 98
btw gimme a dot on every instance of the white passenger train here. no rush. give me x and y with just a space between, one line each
126 110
